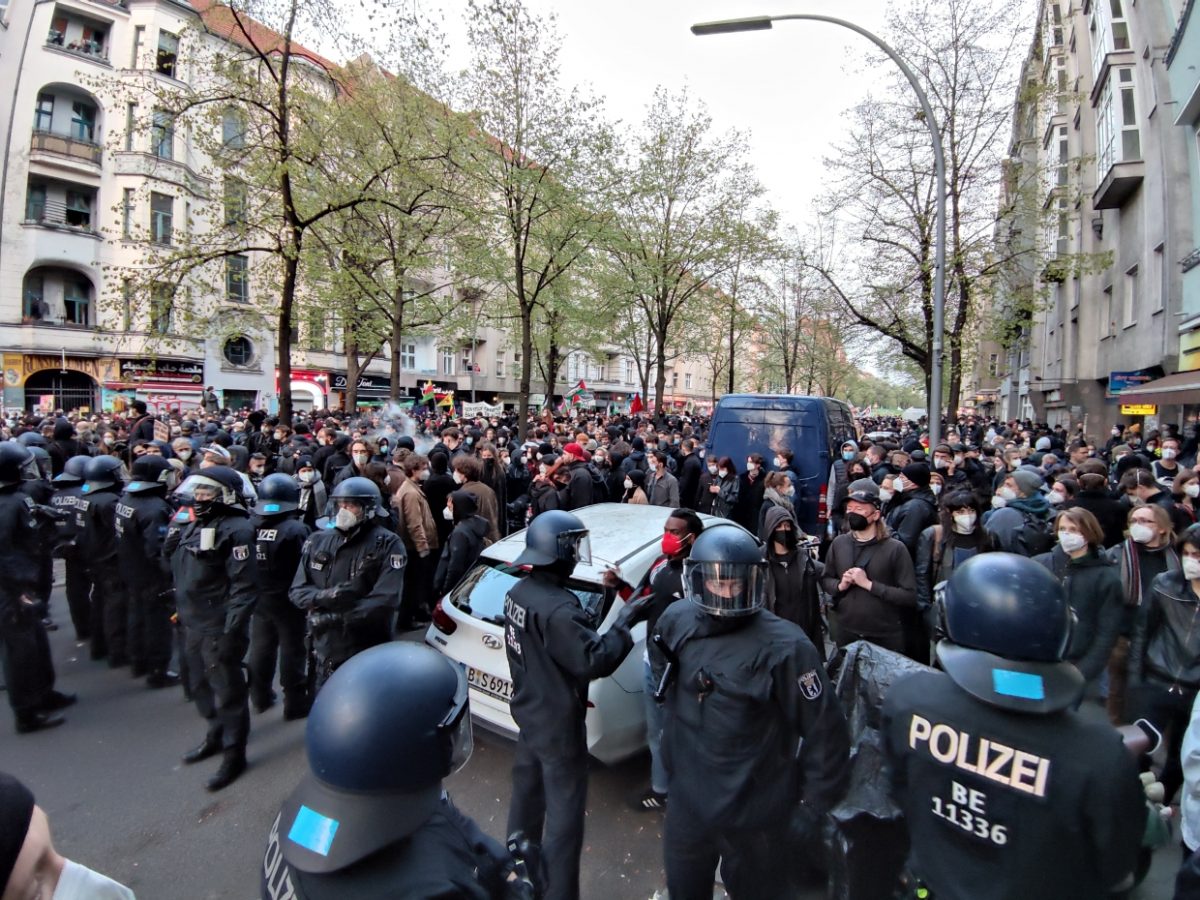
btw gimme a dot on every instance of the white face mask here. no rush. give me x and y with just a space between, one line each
780 463
628 484
345 519
424 476
941 463
1192 490
459 478
712 470
900 484
1054 498
185 455
936 488
1191 568
1169 453
964 523
361 459
788 491
543 468
307 476
80 883
998 502
751 467
885 495
1006 492
723 472
1071 541
652 466
1141 532
447 514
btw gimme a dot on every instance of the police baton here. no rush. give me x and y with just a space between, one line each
668 675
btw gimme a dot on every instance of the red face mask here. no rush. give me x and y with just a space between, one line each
672 544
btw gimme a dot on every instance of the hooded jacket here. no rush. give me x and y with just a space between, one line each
792 579
466 542
1005 524
1166 640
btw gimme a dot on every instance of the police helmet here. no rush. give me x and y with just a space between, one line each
42 467
555 536
224 480
362 491
384 731
150 472
31 439
1008 626
103 472
73 471
277 494
725 572
14 460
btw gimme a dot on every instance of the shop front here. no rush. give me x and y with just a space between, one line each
46 382
166 385
309 389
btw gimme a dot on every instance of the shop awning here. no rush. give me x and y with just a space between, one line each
1173 390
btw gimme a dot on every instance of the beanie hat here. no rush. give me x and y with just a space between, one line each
16 811
1043 443
406 442
1029 481
574 449
917 473
637 444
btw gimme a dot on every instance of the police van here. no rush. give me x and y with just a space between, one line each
812 428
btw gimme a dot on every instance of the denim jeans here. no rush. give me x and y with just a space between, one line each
654 730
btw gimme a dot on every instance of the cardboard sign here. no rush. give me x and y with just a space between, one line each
162 432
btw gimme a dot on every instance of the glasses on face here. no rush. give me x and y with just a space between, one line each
1143 520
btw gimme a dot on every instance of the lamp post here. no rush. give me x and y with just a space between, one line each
764 23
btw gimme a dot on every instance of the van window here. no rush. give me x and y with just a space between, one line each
738 440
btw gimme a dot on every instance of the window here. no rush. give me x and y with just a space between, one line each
1130 298
1158 286
79 209
233 129
993 368
168 54
43 117
162 212
235 202
1106 312
162 135
447 361
674 380
1117 136
1056 25
130 124
467 364
139 42
127 206
629 371
1110 32
687 381
58 31
239 351
316 330
77 301
35 203
162 302
237 282
408 356
500 366
34 304
83 122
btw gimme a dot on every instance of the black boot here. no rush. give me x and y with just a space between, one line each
57 700
210 747
161 678
37 722
232 765
295 706
263 703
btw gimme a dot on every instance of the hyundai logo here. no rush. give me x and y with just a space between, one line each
492 642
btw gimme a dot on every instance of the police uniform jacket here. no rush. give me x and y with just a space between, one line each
142 520
553 653
66 500
18 572
278 542
752 725
368 562
214 589
1003 804
99 528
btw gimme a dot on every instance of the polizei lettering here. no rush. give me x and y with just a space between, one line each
276 875
514 611
1013 768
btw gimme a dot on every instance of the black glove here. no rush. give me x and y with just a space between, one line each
635 611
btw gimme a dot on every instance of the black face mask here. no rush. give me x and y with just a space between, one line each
785 536
203 508
857 522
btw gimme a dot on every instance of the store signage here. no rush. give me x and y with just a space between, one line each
161 371
1139 409
368 385
1118 381
102 369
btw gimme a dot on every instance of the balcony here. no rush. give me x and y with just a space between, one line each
79 35
88 49
1122 180
58 215
66 147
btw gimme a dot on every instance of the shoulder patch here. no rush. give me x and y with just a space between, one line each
398 560
810 684
241 552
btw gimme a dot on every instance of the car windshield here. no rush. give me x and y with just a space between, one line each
481 593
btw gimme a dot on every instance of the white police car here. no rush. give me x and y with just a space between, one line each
468 624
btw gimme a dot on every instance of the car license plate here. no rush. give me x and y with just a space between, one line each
490 684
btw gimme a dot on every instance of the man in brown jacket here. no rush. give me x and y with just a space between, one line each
420 536
467 470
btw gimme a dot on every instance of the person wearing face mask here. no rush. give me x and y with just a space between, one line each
543 492
492 475
361 453
1019 520
467 541
1146 553
313 495
751 485
1139 485
1115 437
211 555
1185 489
691 467
351 578
793 576
725 489
30 867
437 487
662 488
634 488
1164 656
778 494
467 471
1062 493
868 575
1166 468
1093 590
421 541
914 508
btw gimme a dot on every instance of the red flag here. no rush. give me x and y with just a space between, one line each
635 405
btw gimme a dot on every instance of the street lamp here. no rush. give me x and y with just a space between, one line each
764 23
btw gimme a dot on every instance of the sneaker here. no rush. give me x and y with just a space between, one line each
651 801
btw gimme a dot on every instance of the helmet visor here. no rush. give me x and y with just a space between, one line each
457 726
725 588
576 545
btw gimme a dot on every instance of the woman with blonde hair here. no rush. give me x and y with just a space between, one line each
1093 588
1147 551
1185 488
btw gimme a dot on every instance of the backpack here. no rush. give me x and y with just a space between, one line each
599 484
1033 537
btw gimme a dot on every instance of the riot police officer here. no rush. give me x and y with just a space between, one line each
1009 793
743 690
553 652
213 565
277 626
28 669
350 577
371 819
105 478
143 516
68 490
37 486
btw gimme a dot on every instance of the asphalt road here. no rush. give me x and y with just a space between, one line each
120 801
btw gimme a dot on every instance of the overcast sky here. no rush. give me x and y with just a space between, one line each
785 88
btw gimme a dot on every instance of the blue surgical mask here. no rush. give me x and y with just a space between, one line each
848 455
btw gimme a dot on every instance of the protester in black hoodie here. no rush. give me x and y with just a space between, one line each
64 446
792 586
467 540
438 486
